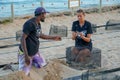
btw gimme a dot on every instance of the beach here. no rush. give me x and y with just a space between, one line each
106 40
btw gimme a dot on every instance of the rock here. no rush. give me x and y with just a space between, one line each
92 62
58 31
18 35
112 25
92 10
56 14
67 13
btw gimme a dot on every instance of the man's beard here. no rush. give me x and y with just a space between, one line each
42 20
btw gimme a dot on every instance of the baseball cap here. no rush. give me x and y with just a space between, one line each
40 10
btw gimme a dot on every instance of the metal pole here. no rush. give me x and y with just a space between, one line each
79 3
100 6
12 12
41 3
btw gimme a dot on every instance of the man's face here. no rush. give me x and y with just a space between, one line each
80 16
42 17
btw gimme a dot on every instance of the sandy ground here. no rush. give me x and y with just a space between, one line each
55 70
107 41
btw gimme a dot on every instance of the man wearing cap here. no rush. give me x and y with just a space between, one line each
29 48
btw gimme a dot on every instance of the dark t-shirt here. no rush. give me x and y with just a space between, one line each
85 29
32 41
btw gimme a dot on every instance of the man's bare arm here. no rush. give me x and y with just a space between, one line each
57 38
23 44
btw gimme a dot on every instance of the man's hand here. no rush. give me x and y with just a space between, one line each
57 38
27 60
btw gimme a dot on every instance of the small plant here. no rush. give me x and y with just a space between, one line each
5 21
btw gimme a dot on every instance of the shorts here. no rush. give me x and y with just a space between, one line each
37 60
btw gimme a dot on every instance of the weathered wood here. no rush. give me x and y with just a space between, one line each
100 8
7 38
104 71
7 46
12 12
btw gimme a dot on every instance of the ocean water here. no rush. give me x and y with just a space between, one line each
25 7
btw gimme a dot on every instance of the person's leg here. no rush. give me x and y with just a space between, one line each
38 60
22 65
81 57
74 53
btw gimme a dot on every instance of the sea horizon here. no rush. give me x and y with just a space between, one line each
24 7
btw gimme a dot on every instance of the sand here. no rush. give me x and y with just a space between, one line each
49 72
16 76
107 41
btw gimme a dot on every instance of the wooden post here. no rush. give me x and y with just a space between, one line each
12 12
100 6
72 11
41 3
68 4
79 4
